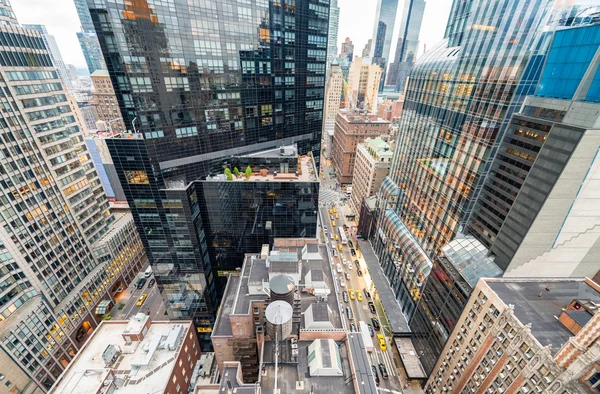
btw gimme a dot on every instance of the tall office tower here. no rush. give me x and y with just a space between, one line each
202 86
408 43
88 39
105 104
460 97
347 49
333 97
334 20
385 20
62 253
366 52
57 60
536 211
363 84
392 74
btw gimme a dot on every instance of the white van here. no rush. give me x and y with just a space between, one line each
148 272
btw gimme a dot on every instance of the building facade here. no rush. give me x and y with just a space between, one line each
373 160
56 219
333 97
57 60
363 84
408 44
391 110
105 104
196 98
332 35
347 51
88 39
528 336
450 129
531 208
351 128
383 29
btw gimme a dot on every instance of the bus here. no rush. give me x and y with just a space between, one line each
343 239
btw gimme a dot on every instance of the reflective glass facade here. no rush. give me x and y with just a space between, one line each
385 20
458 102
200 82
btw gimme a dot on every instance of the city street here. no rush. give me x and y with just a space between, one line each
360 309
153 305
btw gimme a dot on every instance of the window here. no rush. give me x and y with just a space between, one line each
186 132
137 177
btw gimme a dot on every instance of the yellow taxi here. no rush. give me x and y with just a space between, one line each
331 211
358 295
351 294
332 224
337 215
381 340
340 247
141 300
335 236
334 210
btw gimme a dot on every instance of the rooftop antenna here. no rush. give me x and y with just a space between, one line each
275 390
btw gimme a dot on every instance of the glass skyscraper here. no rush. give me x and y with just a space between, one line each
87 38
385 20
200 84
459 100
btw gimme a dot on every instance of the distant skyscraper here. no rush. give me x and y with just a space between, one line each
88 39
197 101
62 252
408 42
450 128
333 96
54 52
334 20
347 49
367 49
385 20
363 82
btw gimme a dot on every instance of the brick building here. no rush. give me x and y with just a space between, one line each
351 128
105 102
524 336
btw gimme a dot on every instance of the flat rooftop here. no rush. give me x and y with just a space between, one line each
87 371
393 311
543 312
290 373
307 173
360 116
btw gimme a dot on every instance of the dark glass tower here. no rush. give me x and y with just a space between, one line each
201 83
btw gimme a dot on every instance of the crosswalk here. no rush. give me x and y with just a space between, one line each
328 196
377 356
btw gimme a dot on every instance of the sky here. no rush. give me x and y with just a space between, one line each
356 21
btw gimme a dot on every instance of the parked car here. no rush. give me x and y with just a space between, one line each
376 324
353 252
338 267
352 327
359 273
152 282
376 375
351 244
141 283
347 276
342 282
371 332
383 371
345 296
372 307
324 228
357 264
349 313
367 293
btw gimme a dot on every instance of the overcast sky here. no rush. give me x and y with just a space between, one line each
356 21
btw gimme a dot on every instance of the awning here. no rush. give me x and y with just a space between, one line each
103 307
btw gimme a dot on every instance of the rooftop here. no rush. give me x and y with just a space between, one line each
470 258
100 73
307 173
542 312
145 366
361 116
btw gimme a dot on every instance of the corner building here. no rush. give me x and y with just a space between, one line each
199 82
459 100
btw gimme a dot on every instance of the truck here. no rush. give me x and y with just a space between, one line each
148 272
364 331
